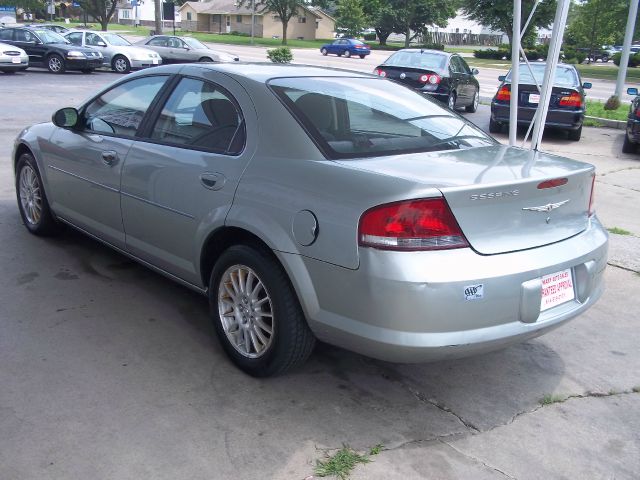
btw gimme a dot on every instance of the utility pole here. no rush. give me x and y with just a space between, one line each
628 37
253 20
158 16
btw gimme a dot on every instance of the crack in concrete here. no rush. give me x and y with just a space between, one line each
477 460
620 186
622 267
616 170
423 398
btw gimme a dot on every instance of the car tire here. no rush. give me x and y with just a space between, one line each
205 59
324 52
494 127
290 342
451 101
55 63
575 134
474 103
628 146
347 54
32 200
605 59
87 70
121 64
362 56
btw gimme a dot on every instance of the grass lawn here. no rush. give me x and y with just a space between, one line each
595 109
608 72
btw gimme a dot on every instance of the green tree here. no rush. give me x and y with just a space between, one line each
283 9
498 14
380 15
101 10
416 15
350 17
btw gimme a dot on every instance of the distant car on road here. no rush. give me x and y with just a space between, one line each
596 54
566 107
118 53
444 76
184 49
50 26
12 58
51 50
632 134
346 47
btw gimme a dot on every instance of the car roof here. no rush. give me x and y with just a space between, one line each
425 50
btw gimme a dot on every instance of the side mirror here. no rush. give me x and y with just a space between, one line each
475 71
502 77
66 118
101 44
587 85
632 91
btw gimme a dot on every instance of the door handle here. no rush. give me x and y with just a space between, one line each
110 157
213 181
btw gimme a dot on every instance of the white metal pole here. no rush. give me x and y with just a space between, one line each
557 34
628 36
515 73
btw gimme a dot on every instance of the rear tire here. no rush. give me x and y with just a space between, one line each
32 199
628 146
55 64
257 316
451 101
494 127
324 52
575 134
362 56
474 104
205 59
347 54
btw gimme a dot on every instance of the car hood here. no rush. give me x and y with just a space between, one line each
6 46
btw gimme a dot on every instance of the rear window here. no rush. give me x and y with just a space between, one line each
367 117
564 75
427 60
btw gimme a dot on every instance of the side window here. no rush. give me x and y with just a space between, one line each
462 65
75 38
6 34
25 36
93 39
158 42
202 115
121 110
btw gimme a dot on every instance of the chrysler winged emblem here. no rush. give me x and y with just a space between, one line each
546 208
403 75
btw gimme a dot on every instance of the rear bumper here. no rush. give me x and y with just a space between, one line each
566 119
633 130
411 307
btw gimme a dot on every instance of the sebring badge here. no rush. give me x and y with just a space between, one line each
546 208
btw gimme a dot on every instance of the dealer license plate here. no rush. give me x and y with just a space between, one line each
557 288
155 62
15 60
534 98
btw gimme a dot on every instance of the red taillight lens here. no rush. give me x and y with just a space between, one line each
592 209
556 182
573 100
380 72
426 224
638 112
433 79
504 94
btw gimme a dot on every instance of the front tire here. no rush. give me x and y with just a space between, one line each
628 146
256 312
121 64
575 134
32 200
55 64
362 56
474 104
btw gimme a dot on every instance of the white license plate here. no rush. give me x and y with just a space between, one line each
15 60
155 62
534 98
557 288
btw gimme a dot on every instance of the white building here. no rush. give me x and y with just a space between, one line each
141 12
7 15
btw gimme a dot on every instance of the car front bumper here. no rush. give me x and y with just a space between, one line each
146 63
6 63
410 307
633 130
72 63
566 119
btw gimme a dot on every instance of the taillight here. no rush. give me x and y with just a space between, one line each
573 100
638 112
432 78
592 209
380 72
426 224
556 182
504 94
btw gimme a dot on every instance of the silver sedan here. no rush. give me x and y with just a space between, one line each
312 204
184 49
12 59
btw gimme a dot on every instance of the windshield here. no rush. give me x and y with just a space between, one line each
426 60
115 40
195 44
48 36
365 117
564 75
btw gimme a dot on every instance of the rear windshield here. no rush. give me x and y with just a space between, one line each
366 117
564 75
427 60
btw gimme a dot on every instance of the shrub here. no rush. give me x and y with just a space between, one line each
574 54
280 55
369 37
492 54
571 61
239 34
634 60
431 46
613 103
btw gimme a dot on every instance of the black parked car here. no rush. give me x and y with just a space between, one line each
566 107
444 76
52 51
632 135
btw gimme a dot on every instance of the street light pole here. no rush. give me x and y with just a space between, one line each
624 58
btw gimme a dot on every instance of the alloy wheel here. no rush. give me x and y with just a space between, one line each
30 195
55 64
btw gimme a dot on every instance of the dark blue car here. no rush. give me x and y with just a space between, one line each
346 47
632 135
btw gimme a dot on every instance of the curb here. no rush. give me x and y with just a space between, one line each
605 122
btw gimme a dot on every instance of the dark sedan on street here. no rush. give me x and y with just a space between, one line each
444 76
566 107
346 47
632 135
52 51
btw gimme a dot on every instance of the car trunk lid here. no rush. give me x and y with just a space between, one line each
407 75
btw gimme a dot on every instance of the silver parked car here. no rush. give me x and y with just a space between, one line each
119 54
309 203
184 50
12 58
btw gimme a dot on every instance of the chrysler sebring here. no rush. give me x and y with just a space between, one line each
310 203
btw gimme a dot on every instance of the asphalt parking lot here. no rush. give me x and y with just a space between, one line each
109 371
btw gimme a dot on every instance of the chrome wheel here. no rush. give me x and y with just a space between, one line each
246 311
30 195
452 101
55 64
476 100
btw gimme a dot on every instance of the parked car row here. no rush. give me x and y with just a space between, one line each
86 50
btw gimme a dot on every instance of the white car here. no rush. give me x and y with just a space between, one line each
119 54
12 59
